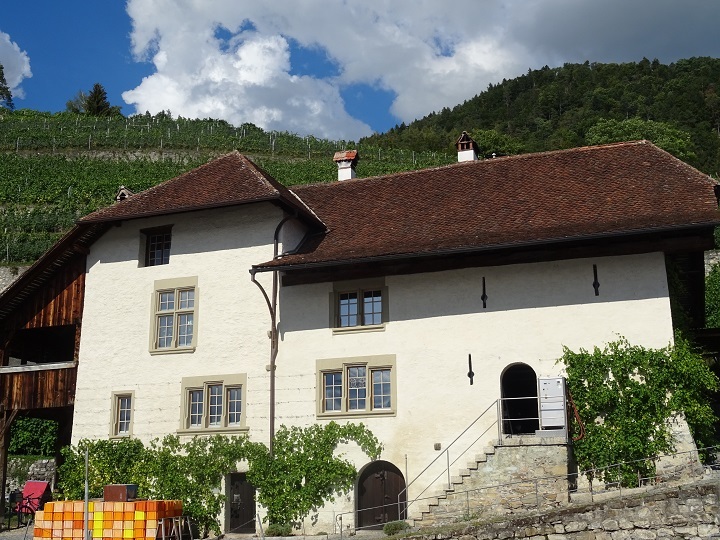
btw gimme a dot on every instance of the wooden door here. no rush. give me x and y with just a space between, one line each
379 486
240 509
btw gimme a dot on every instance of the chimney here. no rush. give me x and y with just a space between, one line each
346 162
123 193
466 147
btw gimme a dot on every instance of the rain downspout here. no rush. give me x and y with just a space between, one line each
272 307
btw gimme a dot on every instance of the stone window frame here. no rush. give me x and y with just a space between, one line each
115 409
358 287
176 285
203 383
342 365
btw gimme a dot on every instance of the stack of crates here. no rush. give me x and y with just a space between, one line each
138 520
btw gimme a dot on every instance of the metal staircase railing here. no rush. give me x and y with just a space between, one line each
494 406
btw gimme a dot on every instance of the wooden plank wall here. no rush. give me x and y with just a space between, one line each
37 389
59 301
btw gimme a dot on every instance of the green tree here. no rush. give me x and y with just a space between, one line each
5 94
97 103
712 297
673 140
77 104
94 103
626 395
33 437
491 142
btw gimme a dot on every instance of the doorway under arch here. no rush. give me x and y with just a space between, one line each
379 485
518 388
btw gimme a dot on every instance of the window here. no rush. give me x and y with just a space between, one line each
213 403
359 304
174 315
357 386
157 245
121 424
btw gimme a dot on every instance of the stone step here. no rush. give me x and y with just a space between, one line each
465 472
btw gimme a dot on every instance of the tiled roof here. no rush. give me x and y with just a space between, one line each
604 190
229 180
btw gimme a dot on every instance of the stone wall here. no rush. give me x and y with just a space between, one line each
689 512
711 259
19 472
522 474
8 274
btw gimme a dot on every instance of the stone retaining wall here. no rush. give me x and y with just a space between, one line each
689 512
18 473
523 474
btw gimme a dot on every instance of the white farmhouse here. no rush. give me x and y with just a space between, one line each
223 302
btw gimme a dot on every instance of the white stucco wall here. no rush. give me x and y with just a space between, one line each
232 318
435 321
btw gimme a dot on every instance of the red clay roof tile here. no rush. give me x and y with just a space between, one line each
229 180
583 192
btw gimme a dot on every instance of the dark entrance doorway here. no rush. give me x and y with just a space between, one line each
240 510
380 483
519 400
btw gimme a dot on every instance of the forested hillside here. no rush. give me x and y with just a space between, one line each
553 108
57 167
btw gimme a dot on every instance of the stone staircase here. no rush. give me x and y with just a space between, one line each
522 473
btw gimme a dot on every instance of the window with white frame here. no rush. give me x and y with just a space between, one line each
213 403
157 243
358 304
174 321
357 386
122 414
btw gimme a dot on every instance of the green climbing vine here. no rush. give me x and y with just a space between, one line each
303 474
626 395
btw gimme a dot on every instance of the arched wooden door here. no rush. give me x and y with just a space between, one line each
519 405
379 486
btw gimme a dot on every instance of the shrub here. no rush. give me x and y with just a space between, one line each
278 529
395 527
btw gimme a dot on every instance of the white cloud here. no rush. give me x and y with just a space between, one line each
428 53
16 65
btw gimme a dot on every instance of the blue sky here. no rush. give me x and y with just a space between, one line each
339 70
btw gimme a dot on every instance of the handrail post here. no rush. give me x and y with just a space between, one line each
499 420
537 496
341 526
447 455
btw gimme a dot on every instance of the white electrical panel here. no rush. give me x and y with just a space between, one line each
551 393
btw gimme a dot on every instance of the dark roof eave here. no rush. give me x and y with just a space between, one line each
81 236
272 199
479 249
